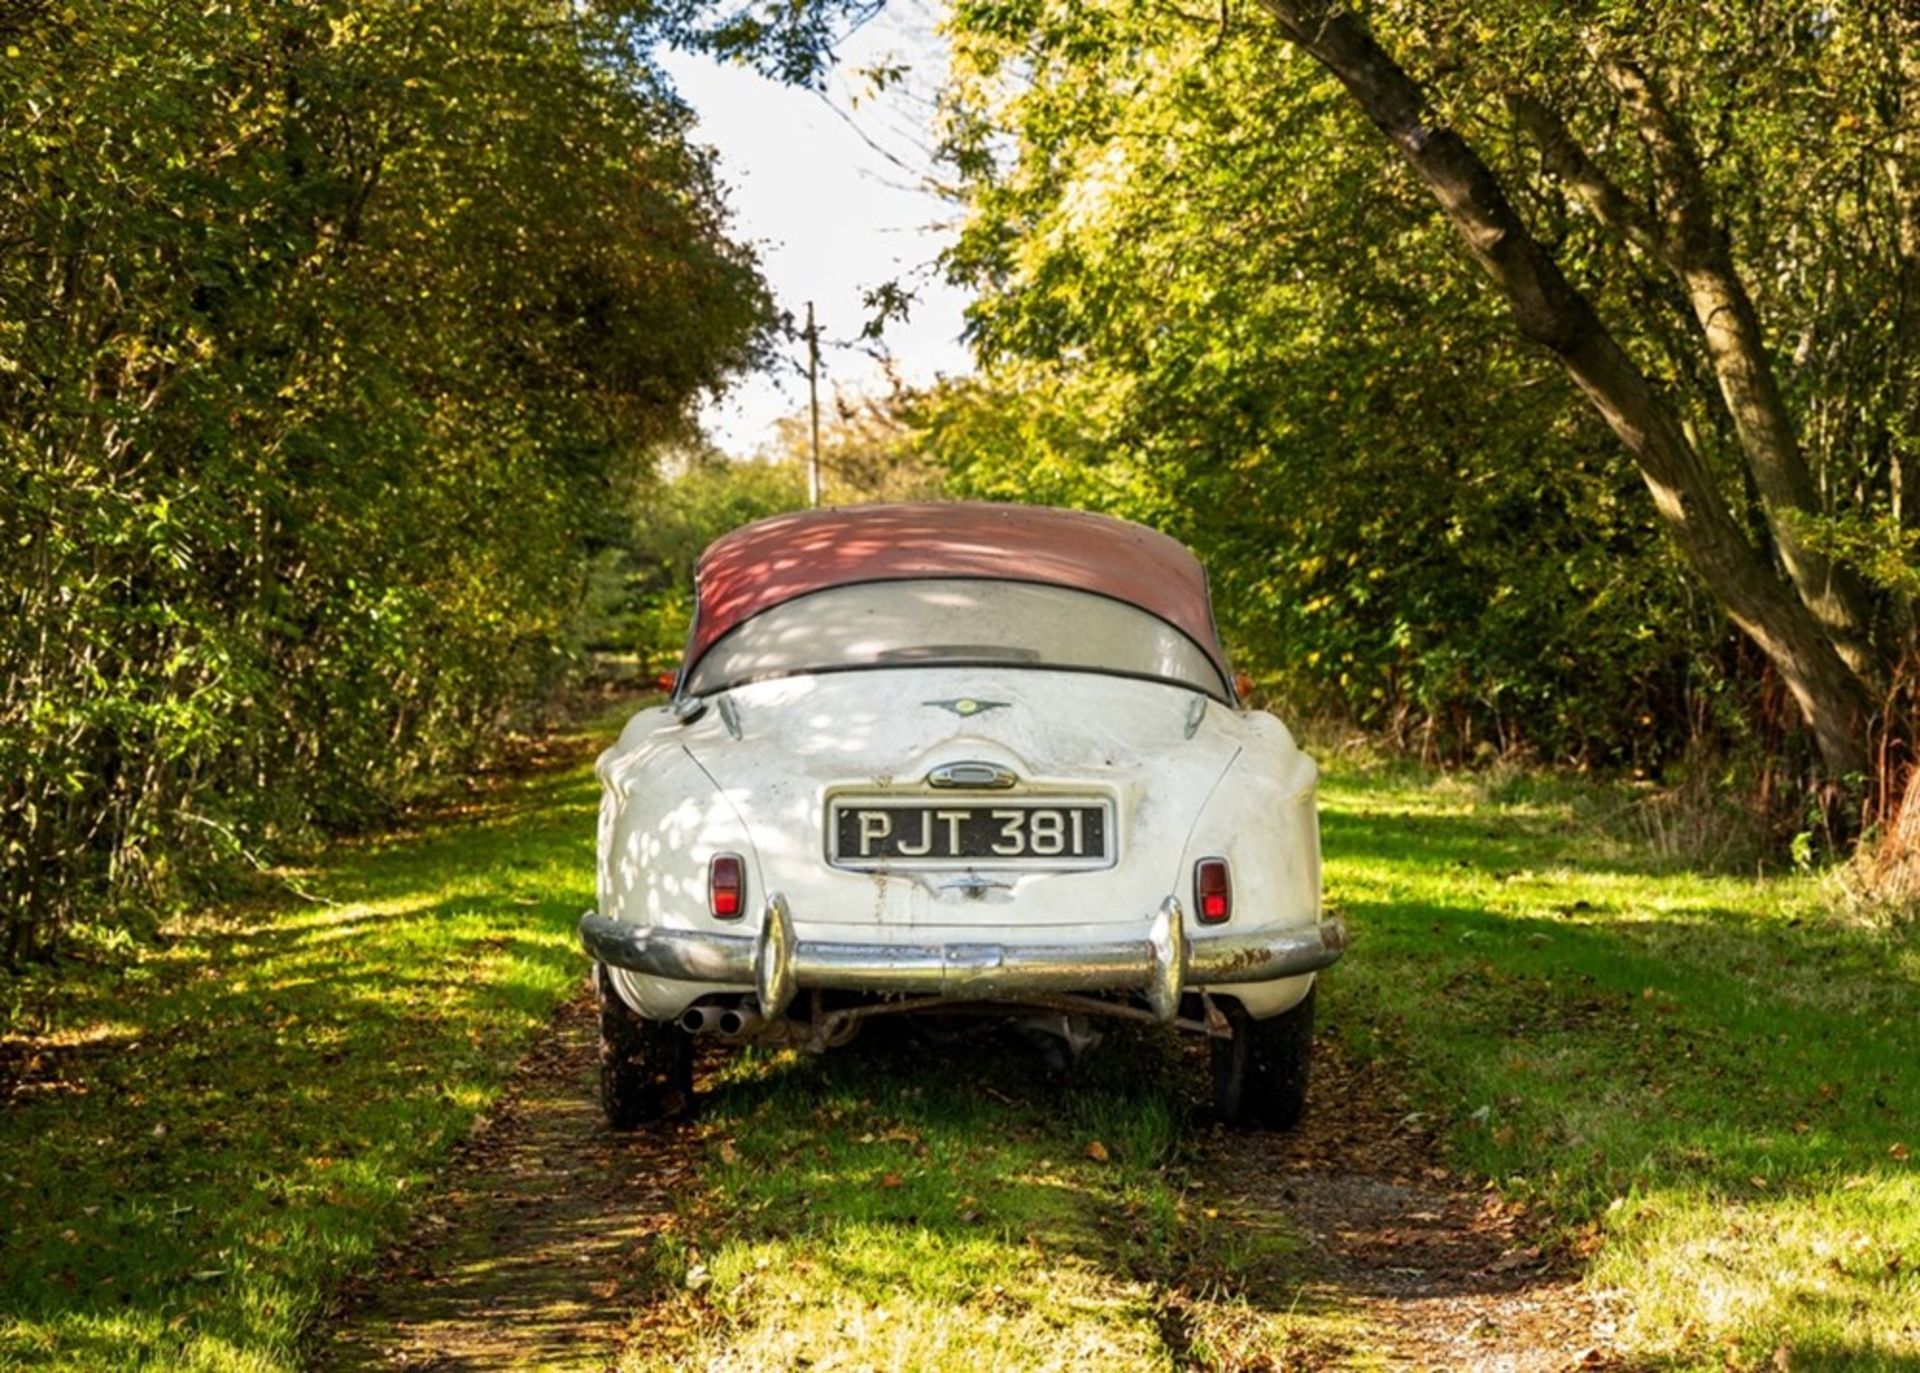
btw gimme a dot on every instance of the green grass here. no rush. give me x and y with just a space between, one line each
217 1130
906 1204
1705 1079
1705 1082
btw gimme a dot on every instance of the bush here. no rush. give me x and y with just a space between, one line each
331 345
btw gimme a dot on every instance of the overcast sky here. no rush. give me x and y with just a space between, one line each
831 215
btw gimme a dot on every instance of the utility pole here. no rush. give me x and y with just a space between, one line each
813 406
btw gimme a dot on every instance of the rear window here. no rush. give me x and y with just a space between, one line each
958 623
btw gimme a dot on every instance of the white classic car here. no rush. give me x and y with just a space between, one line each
946 759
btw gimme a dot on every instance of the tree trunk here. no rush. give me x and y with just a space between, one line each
1553 314
1903 170
1694 247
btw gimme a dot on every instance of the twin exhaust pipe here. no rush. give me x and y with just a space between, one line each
729 1022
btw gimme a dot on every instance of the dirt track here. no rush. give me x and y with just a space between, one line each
531 1252
1442 1273
535 1250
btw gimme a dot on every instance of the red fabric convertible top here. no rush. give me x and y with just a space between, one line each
765 564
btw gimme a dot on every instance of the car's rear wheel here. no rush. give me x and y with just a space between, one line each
646 1066
1260 1069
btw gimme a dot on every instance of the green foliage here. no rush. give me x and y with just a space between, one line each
332 341
1212 300
642 599
1201 300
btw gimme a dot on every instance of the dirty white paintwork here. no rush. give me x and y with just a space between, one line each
1233 786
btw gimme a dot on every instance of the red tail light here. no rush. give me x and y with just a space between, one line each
1212 892
726 886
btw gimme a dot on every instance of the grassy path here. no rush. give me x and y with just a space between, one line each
201 1142
1579 1106
1706 1081
946 1206
532 1247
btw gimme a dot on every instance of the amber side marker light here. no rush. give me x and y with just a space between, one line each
726 886
1212 891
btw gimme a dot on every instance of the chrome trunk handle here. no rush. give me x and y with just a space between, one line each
973 776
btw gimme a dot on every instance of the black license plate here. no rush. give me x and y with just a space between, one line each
1072 834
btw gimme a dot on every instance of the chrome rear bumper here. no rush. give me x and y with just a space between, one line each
775 965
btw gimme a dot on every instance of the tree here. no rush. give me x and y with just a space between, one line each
866 451
329 336
1190 321
1811 622
1686 207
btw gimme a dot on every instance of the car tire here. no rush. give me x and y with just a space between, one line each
646 1066
1260 1068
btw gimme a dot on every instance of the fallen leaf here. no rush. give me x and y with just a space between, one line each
1898 1152
1097 1151
893 1180
1518 1258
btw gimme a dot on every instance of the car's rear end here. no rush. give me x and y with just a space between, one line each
950 793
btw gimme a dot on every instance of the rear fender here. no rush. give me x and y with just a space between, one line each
661 823
1263 819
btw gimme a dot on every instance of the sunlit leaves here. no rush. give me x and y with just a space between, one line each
1240 319
333 335
1207 305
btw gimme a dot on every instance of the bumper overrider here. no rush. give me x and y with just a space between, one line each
775 965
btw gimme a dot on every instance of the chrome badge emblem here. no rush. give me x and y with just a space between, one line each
965 706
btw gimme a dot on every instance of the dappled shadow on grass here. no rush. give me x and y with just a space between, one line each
1447 843
1730 1076
533 1239
1421 1263
914 1103
1707 1082
200 1142
903 1174
1498 822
